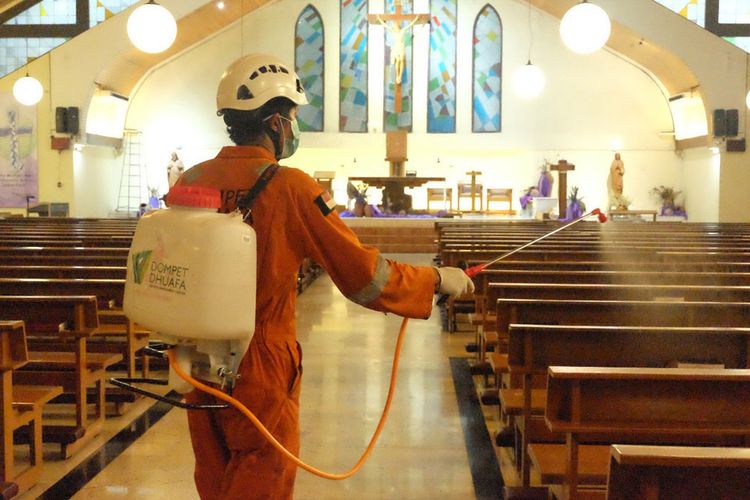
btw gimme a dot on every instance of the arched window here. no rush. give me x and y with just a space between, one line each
488 71
441 83
308 63
353 66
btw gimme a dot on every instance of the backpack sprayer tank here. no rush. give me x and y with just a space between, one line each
191 278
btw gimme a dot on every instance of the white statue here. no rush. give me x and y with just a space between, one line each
175 168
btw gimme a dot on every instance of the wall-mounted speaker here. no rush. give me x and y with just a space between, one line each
66 120
733 118
720 122
71 120
60 120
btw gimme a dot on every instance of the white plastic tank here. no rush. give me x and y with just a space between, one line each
192 271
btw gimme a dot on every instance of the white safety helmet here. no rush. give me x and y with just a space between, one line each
253 80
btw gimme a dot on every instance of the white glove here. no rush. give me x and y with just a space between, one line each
454 282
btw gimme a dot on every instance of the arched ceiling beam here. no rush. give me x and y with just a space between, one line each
671 71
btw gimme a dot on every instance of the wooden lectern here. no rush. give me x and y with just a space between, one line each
395 152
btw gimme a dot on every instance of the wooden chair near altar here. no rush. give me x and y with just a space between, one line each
442 196
325 179
500 195
472 193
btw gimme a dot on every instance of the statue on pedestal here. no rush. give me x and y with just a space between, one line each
615 184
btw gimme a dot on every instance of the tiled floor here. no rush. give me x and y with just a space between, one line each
347 359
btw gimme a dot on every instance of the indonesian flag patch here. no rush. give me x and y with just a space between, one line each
325 203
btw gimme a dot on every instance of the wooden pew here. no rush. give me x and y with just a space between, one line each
684 472
62 251
73 319
621 312
594 295
63 271
70 260
621 405
86 241
112 321
618 291
616 312
686 276
560 271
532 349
600 265
21 407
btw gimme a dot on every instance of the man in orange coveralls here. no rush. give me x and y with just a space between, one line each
294 218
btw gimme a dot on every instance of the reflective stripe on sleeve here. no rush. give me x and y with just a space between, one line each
374 288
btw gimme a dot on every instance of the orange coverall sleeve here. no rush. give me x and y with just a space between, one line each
361 273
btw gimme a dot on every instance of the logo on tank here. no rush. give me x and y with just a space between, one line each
159 274
140 265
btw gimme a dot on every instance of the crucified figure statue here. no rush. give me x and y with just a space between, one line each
398 50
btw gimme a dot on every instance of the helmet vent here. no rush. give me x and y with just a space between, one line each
243 93
283 70
299 87
254 75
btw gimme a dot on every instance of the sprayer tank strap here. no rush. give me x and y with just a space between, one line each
247 201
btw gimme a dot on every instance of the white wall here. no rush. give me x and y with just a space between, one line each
592 106
701 168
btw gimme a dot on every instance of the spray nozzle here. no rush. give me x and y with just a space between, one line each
600 214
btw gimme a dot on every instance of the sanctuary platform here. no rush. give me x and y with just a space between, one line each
404 234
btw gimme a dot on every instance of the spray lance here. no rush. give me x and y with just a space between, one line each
473 271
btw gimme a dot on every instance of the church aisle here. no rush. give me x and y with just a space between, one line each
347 360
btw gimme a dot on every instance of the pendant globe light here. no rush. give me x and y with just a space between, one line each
152 28
528 80
27 90
585 28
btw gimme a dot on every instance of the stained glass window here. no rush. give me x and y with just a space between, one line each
441 91
694 10
353 66
393 118
308 62
729 19
15 52
488 70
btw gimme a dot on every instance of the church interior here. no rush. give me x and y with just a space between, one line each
593 193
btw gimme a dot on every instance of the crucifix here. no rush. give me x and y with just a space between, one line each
562 167
394 24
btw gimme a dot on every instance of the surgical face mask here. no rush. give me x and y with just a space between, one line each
290 143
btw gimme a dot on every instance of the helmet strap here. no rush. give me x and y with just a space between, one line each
276 137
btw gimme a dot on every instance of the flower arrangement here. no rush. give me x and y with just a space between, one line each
576 206
153 198
546 181
620 202
668 198
528 197
359 195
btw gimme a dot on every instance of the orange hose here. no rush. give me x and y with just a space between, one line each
280 447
